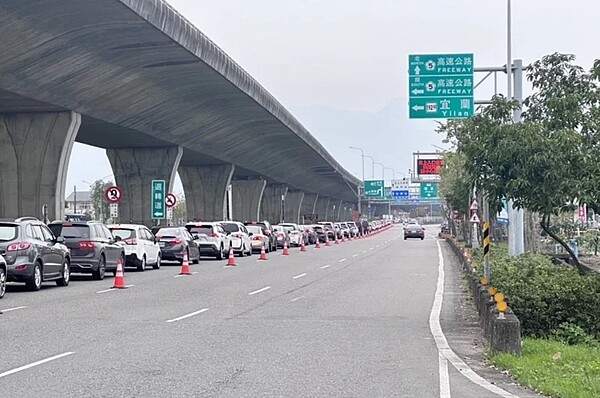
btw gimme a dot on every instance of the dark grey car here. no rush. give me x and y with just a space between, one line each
93 248
33 253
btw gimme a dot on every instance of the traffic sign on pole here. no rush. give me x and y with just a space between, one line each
170 200
374 189
474 205
113 194
158 200
441 86
429 190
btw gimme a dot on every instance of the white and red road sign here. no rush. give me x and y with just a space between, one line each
170 200
113 194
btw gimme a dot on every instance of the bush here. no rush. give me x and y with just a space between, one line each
544 296
571 334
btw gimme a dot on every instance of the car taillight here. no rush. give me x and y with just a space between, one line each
86 245
21 267
256 238
15 247
213 235
176 241
131 241
280 235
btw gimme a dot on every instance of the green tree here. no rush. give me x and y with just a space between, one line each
99 203
180 211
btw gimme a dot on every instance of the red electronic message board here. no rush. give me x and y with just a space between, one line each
429 166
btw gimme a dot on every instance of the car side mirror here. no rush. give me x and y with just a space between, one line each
250 234
196 236
60 239
117 238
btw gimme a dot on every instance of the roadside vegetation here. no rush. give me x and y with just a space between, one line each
548 165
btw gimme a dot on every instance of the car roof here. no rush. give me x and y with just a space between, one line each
130 226
201 223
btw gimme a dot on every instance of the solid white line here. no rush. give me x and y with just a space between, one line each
342 260
179 275
299 276
259 290
441 342
31 365
444 377
326 266
188 315
296 299
14 309
355 255
112 288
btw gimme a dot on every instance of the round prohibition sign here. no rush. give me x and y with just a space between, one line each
113 194
170 200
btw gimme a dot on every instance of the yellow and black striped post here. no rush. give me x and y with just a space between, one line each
486 248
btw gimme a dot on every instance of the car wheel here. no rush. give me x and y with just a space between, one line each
219 255
35 283
157 263
142 266
66 274
101 271
422 238
197 261
2 282
405 238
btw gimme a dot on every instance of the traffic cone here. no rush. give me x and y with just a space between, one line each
336 242
302 247
263 253
185 266
231 259
327 240
119 278
343 238
286 252
317 245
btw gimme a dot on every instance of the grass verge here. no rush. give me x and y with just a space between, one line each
555 369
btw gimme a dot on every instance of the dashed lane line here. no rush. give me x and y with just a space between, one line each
187 315
299 276
34 364
259 290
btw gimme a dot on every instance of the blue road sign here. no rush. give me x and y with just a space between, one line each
400 195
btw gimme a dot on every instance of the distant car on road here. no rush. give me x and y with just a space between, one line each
210 237
141 247
2 276
174 242
94 250
238 237
414 231
258 237
269 231
295 234
33 253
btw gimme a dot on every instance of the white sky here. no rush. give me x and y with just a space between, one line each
352 54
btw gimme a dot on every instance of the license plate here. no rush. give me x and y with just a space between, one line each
161 244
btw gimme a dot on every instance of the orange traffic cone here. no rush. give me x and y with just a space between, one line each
327 240
302 247
231 259
317 245
119 278
349 237
185 266
336 242
343 238
286 252
263 253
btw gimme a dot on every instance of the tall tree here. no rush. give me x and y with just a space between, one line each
99 203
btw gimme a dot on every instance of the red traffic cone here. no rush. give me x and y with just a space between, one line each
302 247
349 237
231 259
317 245
336 242
119 278
286 252
185 266
327 240
263 253
343 238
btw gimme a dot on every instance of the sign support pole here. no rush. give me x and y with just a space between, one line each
486 239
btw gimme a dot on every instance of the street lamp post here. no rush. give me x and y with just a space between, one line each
362 156
382 170
372 166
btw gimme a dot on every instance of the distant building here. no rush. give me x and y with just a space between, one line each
79 202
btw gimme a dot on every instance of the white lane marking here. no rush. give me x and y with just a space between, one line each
442 343
259 290
14 309
326 266
112 288
364 251
299 276
342 260
355 255
33 364
296 299
187 315
372 248
444 377
180 275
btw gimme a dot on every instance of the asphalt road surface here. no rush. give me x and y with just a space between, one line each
358 319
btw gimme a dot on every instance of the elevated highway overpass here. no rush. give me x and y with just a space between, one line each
135 77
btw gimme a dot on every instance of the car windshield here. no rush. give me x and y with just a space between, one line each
8 232
123 233
230 227
69 231
169 232
201 230
256 230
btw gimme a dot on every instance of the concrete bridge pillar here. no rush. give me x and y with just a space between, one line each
309 203
293 203
35 149
134 169
321 208
206 190
333 209
246 198
271 205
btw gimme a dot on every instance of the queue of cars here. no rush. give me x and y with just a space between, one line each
32 252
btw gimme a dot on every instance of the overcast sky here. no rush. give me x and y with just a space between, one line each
352 54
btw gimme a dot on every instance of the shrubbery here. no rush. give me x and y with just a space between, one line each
550 300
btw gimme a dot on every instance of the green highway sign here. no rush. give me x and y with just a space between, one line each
158 199
429 190
441 86
374 189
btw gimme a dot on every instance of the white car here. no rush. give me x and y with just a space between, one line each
238 237
294 233
211 238
141 247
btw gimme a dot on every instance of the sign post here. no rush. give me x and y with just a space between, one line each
158 200
441 86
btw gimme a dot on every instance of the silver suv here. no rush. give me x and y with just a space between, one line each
211 238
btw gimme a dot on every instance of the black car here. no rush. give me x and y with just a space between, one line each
2 276
414 231
174 242
94 250
33 253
